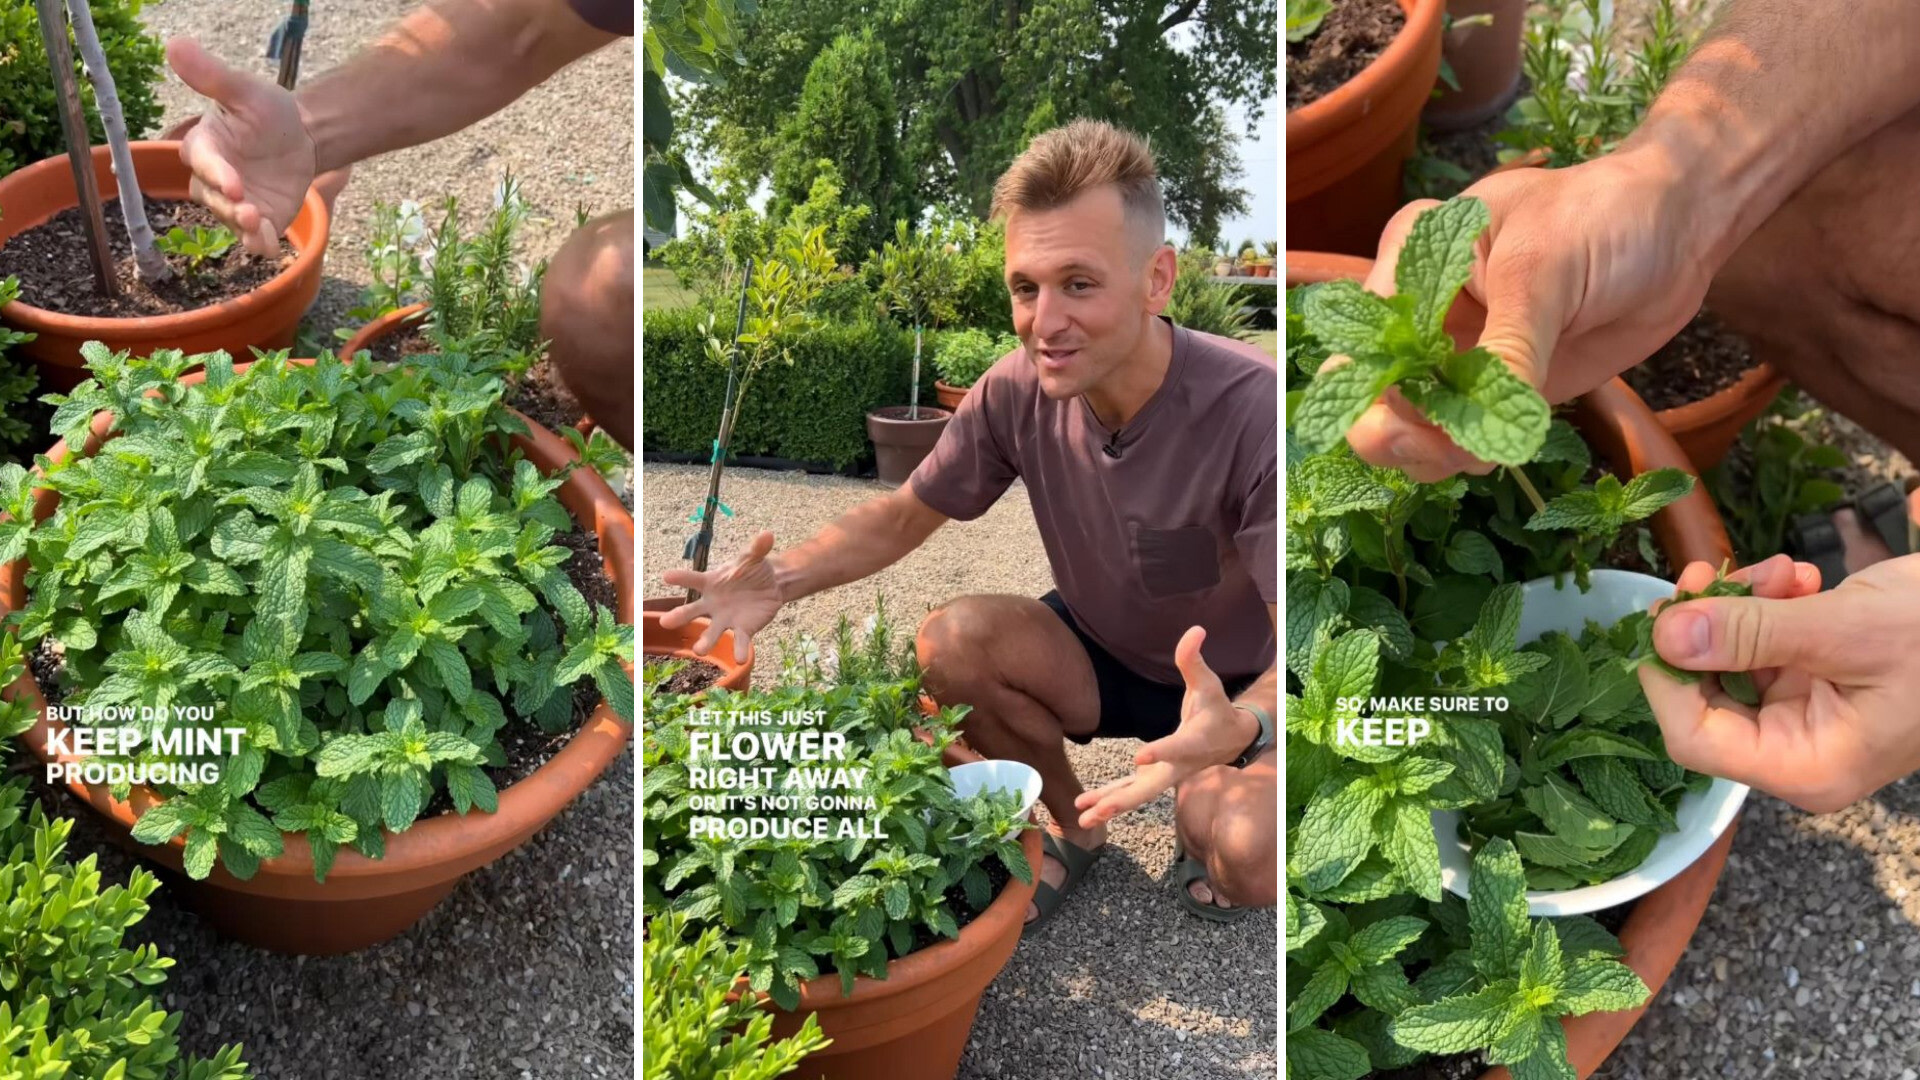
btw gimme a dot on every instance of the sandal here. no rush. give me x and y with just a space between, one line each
1815 539
1186 871
1076 859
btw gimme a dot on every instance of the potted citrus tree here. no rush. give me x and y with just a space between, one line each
917 283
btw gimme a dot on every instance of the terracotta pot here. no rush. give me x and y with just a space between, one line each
913 1025
657 640
267 317
1623 430
1345 151
366 901
949 396
1485 62
1706 429
327 184
393 322
900 444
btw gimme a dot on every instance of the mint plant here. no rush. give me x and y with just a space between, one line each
847 905
1304 18
347 562
17 379
197 247
692 1029
1403 605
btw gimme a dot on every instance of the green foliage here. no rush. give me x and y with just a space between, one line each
1304 18
480 296
691 1029
30 123
198 247
918 278
812 409
1398 589
847 121
17 380
1200 303
973 83
395 234
844 905
980 269
345 561
962 356
1780 472
1587 92
695 40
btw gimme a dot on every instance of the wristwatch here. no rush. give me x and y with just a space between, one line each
1261 741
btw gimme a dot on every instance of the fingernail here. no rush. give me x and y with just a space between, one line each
1762 573
1806 574
1403 449
1693 631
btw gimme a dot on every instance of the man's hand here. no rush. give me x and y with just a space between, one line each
743 596
251 155
1835 671
1583 272
1212 732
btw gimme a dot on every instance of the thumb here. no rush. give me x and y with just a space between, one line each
1523 319
1744 633
1193 667
761 547
204 73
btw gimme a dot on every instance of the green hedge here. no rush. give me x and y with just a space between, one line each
814 410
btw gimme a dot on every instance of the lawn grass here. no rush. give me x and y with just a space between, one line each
1268 340
660 289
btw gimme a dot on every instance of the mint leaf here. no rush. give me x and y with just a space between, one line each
1317 1054
1486 409
1334 402
1337 832
1653 491
1456 1024
1497 909
1436 260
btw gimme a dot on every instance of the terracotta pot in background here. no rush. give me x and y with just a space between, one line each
913 1025
1345 151
266 318
1706 429
366 901
949 397
657 641
1485 62
1623 430
900 444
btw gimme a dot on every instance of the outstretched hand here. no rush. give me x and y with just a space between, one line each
742 596
1211 732
251 155
1835 672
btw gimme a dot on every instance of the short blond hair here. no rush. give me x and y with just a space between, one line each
1060 165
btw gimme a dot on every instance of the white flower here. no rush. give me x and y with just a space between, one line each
412 224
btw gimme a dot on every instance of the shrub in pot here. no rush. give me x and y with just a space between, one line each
1704 385
863 932
692 1022
962 356
917 279
356 567
1350 132
1405 590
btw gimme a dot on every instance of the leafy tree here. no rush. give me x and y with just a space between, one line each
694 40
974 82
847 121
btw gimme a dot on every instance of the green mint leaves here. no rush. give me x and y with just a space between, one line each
1402 341
1304 18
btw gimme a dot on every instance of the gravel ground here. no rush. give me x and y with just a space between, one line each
1123 984
526 971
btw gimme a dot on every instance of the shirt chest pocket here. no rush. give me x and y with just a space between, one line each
1176 561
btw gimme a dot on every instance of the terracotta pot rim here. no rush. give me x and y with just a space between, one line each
372 332
306 259
1759 381
942 384
431 845
733 675
1348 104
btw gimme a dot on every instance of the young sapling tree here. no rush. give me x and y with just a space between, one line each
917 279
147 258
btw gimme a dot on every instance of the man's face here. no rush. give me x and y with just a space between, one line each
1083 282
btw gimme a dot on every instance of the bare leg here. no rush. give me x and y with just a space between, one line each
1229 820
1030 684
586 313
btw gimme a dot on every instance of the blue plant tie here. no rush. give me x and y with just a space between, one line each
716 452
700 515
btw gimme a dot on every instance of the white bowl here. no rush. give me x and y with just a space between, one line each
1702 816
1014 776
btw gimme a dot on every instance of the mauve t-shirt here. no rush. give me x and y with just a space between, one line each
1180 529
612 16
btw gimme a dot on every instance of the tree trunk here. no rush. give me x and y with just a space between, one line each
152 265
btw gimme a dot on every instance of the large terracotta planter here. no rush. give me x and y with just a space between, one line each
658 641
1345 151
949 397
913 1025
1485 62
1705 429
403 319
900 444
366 901
1623 430
266 318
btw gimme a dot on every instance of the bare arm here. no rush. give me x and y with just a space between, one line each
863 541
445 66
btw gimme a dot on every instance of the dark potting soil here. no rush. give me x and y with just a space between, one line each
539 394
56 273
1701 360
1353 35
696 676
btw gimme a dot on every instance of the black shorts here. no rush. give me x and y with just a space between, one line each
1132 706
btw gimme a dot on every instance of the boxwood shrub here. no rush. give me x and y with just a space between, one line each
813 410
